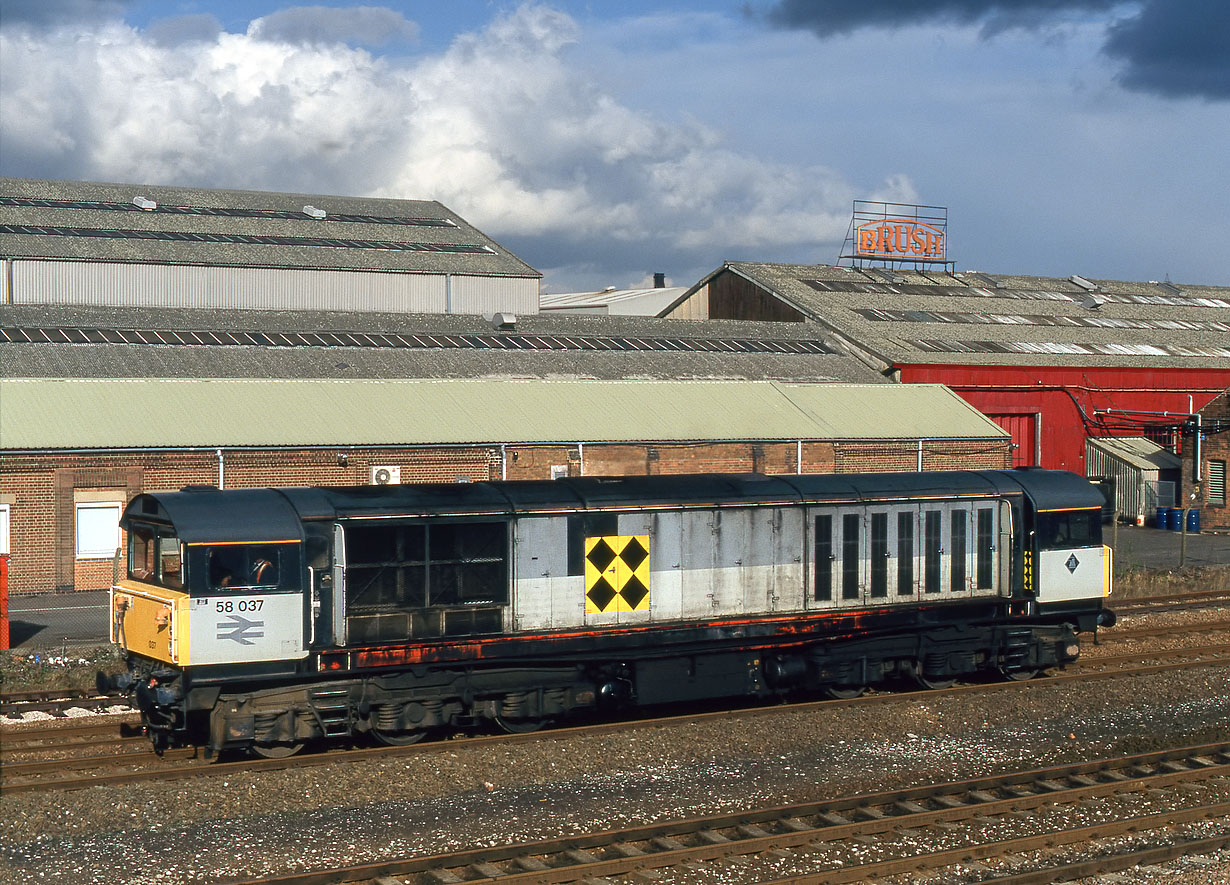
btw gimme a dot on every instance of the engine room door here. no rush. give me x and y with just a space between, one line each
544 596
839 557
882 572
936 572
961 538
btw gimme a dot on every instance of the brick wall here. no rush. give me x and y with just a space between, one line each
869 457
1215 447
43 490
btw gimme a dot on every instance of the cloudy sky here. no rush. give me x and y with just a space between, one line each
602 142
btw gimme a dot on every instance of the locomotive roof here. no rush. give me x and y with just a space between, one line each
206 515
1057 489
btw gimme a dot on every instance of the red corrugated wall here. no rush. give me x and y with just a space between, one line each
1061 404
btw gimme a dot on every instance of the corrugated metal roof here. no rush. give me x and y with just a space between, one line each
572 347
81 220
155 413
979 318
1139 452
621 302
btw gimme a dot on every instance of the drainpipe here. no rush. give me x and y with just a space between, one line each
1197 457
221 472
581 456
503 461
798 458
920 456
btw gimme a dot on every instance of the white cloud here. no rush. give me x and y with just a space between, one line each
500 127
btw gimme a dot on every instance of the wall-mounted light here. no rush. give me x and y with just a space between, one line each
342 459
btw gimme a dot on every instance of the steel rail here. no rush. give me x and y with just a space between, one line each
57 701
1195 651
1180 598
60 731
1119 634
965 854
1069 872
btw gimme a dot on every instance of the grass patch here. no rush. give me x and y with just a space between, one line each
1132 583
47 669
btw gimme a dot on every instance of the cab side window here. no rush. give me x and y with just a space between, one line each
243 567
1062 529
153 556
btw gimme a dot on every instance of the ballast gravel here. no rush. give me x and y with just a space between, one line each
248 825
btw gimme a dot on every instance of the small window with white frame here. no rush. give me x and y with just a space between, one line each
4 529
98 529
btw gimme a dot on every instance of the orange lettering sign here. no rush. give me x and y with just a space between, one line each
899 238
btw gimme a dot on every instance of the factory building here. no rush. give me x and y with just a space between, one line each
130 246
1205 465
1053 361
103 403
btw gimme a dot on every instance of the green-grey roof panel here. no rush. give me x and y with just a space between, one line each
38 414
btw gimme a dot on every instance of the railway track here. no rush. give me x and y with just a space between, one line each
63 738
56 702
1175 602
875 837
1120 634
131 767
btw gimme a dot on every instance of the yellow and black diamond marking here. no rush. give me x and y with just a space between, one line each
617 574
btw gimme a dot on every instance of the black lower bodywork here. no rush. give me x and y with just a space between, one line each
401 694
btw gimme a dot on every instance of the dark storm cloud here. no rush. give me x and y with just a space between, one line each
47 13
1173 48
827 18
365 25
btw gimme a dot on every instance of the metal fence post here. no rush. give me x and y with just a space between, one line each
1183 538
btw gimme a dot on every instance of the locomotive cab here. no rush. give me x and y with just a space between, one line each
201 592
1066 565
203 597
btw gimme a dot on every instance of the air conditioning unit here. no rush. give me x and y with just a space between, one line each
385 476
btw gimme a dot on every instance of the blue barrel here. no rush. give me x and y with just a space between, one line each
1163 517
1193 521
1176 519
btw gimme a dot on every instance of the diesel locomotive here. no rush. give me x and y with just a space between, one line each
265 619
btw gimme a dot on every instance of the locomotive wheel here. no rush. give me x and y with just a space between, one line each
842 692
399 738
277 751
1019 675
929 683
520 726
